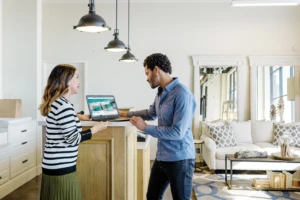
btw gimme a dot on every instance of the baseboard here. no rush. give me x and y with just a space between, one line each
16 182
39 170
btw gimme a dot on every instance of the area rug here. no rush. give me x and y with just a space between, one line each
213 187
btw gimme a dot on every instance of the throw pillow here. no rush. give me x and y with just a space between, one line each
205 129
223 136
292 128
262 131
242 131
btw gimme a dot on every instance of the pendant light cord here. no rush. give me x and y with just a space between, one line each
116 14
92 6
128 23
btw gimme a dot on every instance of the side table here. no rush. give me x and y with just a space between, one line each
197 143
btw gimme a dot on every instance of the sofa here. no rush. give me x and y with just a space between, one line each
249 135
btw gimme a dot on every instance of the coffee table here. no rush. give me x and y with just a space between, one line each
232 159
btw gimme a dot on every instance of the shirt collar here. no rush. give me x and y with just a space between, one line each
170 86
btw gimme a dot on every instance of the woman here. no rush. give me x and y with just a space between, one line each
63 135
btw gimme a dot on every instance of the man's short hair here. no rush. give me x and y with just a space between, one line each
159 60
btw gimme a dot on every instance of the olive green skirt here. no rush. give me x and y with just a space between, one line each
65 187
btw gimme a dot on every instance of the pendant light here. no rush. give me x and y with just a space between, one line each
92 22
128 57
116 45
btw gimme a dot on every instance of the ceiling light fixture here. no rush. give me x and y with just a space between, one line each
128 57
244 3
91 22
116 45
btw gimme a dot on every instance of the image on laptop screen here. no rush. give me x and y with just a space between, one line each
102 106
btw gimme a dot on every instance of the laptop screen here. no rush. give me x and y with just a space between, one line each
102 106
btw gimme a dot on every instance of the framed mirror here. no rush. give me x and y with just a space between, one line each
275 88
221 89
218 93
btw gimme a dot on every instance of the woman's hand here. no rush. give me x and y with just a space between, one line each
99 126
84 117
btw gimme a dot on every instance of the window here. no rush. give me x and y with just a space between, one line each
278 90
232 88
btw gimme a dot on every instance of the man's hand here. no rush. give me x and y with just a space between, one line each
84 117
123 113
138 122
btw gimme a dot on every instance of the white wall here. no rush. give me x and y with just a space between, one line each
20 52
186 29
1 49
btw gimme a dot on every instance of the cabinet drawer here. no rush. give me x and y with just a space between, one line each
22 144
3 138
3 154
4 162
22 131
4 174
21 162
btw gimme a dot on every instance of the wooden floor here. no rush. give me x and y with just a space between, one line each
28 191
31 191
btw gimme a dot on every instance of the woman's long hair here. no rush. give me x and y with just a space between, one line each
57 86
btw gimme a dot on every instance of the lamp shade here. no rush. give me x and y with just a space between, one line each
115 45
291 89
243 3
92 23
128 57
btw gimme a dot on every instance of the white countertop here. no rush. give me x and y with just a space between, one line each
143 145
92 123
140 145
6 121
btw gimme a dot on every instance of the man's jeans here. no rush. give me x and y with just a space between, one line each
179 174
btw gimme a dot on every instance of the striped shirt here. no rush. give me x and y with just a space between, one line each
63 135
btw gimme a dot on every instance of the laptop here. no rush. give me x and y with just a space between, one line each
104 108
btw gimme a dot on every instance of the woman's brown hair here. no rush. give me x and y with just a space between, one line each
57 86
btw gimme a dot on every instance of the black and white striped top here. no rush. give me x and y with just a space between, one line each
63 135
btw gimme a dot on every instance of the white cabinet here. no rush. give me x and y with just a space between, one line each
4 167
18 154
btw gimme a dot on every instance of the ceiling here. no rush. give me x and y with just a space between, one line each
132 1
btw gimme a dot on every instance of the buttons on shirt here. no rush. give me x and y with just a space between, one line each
160 106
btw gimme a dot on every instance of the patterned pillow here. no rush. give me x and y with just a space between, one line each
280 129
223 136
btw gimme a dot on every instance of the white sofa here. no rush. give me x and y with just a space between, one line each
250 135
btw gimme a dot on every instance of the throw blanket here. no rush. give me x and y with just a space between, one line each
251 154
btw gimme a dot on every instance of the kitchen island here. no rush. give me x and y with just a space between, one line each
107 164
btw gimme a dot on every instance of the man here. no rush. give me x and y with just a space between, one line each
174 106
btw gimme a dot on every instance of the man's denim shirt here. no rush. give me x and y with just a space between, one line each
174 107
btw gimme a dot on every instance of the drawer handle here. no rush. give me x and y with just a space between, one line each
24 161
23 131
24 143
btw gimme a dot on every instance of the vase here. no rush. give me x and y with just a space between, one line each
286 145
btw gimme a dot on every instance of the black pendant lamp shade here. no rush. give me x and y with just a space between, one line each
116 45
128 57
92 22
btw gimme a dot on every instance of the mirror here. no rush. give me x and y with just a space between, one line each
218 93
240 109
275 88
276 93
